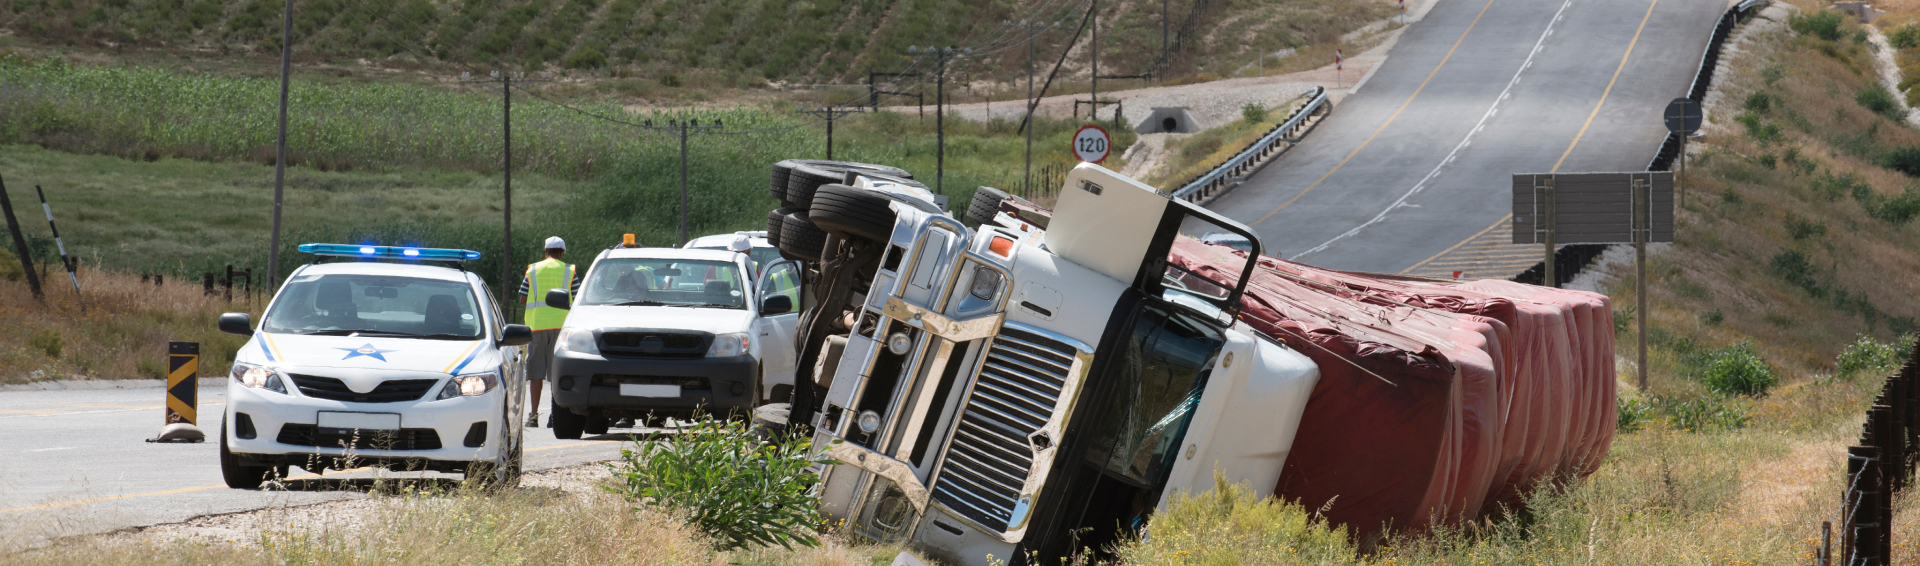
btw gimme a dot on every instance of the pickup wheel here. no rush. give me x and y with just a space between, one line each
985 204
852 213
595 424
800 239
566 425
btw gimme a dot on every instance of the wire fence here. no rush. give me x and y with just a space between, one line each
1879 467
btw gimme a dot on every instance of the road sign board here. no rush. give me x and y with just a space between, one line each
183 382
1683 116
1092 144
1591 208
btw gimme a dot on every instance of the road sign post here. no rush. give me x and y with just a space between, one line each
183 382
1092 144
1683 117
1597 208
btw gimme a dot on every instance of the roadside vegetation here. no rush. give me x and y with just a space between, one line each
1190 155
122 332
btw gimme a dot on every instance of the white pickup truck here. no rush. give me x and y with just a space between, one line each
1018 392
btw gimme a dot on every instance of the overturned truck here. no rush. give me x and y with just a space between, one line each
1040 384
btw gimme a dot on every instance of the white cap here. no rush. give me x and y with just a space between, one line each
740 244
555 243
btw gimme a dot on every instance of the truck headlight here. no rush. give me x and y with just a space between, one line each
578 341
728 345
470 385
258 377
986 284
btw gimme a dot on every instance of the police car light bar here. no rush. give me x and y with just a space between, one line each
389 252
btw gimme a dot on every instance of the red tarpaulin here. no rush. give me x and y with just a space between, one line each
1437 400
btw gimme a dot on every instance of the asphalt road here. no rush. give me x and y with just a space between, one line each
1418 161
77 463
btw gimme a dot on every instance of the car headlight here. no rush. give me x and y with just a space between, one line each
258 378
728 345
470 385
578 341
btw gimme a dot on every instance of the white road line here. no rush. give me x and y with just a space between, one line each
1464 142
51 449
94 412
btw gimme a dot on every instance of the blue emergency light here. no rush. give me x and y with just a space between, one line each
389 252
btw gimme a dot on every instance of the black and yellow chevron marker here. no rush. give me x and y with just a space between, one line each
183 381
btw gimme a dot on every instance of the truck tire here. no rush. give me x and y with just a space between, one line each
239 475
774 219
566 425
778 188
595 424
804 180
800 239
985 204
852 213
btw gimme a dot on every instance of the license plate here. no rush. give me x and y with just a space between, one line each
362 421
649 390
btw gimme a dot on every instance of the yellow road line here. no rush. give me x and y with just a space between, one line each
1390 119
1563 155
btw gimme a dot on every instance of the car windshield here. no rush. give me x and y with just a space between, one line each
347 304
663 282
761 256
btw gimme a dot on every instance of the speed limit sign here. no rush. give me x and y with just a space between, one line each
1091 144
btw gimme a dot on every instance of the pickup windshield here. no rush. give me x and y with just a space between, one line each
662 282
346 304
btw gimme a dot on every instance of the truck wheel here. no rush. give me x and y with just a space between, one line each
774 219
805 180
800 239
566 425
985 204
852 213
237 474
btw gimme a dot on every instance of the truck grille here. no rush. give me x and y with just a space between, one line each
390 391
989 460
652 344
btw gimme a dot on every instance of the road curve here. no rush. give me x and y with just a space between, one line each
1416 164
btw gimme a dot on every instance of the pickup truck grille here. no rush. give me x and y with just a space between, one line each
653 344
1016 393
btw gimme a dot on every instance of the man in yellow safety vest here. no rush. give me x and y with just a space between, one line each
550 273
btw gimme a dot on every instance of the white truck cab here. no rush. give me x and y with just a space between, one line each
1015 391
406 365
662 333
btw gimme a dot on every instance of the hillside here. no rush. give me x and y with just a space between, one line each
735 43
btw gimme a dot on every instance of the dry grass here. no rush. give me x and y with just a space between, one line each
122 333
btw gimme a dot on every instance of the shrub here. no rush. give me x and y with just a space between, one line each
1233 524
728 482
10 269
1713 317
1824 24
1876 98
1794 267
1866 355
1906 37
586 58
46 340
1738 370
1759 102
1801 228
1623 318
1632 414
1704 415
1898 210
670 80
1253 112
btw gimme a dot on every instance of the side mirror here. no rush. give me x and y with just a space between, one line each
236 323
557 298
777 304
516 335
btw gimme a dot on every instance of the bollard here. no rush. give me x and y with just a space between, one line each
183 394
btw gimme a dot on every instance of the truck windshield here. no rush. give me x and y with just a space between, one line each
664 282
375 304
1158 377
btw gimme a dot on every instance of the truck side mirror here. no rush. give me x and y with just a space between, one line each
516 335
777 304
557 298
236 323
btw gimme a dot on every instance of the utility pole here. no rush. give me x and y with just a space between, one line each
941 55
874 92
1163 32
1094 11
685 128
1032 29
280 147
506 80
1031 104
830 113
20 243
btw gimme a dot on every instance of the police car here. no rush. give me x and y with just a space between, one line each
405 364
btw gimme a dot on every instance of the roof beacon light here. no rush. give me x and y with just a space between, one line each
389 252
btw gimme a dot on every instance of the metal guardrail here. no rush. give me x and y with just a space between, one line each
1214 182
1570 260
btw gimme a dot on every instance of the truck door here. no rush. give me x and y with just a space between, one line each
777 358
